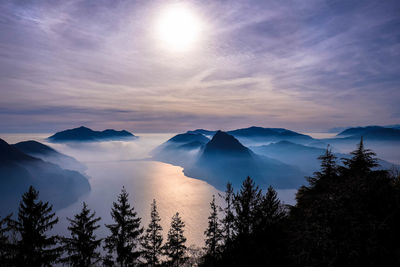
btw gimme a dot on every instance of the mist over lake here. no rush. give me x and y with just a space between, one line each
112 165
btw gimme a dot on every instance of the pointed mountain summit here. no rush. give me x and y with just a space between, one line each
225 159
9 153
224 143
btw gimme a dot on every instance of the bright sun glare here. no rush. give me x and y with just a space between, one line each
178 28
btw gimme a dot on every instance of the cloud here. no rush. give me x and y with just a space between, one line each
297 64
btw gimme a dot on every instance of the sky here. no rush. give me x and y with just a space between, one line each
303 65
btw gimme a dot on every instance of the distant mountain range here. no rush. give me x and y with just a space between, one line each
260 134
283 159
223 159
19 170
341 129
46 153
301 156
84 134
372 133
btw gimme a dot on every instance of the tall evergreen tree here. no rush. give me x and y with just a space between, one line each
246 203
5 244
175 248
271 211
228 219
82 246
269 237
35 218
213 235
362 160
152 240
347 215
125 232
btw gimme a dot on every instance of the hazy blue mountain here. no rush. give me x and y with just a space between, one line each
270 135
203 132
304 157
181 149
224 143
395 126
188 137
225 159
84 134
46 153
18 171
261 135
372 133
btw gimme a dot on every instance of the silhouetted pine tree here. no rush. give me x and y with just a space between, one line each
125 233
346 217
82 246
228 219
175 248
365 227
152 239
246 203
35 218
269 236
213 236
5 244
362 160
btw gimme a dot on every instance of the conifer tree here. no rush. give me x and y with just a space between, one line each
82 246
35 218
5 245
271 210
152 240
362 160
175 248
228 219
246 203
125 232
213 234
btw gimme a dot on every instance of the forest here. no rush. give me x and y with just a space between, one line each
348 214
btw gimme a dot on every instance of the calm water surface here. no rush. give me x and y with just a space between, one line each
112 165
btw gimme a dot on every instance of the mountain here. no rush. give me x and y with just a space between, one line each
188 137
303 157
270 135
225 159
180 149
395 126
18 171
84 134
46 153
255 134
224 143
372 133
203 132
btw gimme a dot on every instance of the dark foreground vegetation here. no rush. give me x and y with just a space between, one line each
347 215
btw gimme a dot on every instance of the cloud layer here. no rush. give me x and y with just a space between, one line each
297 64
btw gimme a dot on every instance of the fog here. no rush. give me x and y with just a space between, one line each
112 165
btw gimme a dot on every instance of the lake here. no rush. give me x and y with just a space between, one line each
112 165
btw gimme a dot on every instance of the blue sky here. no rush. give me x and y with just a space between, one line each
304 65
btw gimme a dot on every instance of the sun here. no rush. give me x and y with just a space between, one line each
178 28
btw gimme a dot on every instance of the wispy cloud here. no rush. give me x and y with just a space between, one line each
297 64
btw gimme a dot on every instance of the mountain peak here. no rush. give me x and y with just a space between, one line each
223 142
